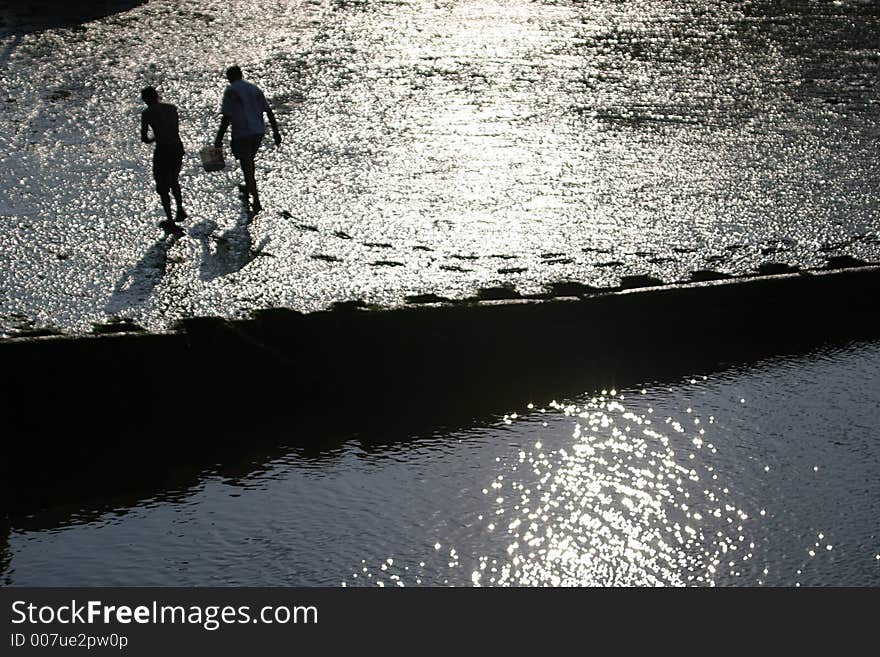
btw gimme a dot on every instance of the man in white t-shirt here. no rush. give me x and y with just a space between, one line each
243 107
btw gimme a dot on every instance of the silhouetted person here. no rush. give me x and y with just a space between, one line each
243 107
168 156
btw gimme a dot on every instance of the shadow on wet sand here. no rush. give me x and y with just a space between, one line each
137 283
229 252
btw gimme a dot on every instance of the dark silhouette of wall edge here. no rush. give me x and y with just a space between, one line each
436 355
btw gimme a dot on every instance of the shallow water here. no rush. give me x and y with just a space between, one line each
760 475
433 147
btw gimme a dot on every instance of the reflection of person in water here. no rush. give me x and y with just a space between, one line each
162 118
243 107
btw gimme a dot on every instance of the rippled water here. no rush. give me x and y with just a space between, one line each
433 147
765 475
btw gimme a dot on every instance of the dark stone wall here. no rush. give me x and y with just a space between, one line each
448 360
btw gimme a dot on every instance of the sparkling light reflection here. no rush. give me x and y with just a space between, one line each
432 148
618 505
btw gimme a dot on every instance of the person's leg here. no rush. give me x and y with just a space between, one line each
245 149
163 181
162 188
248 168
252 183
166 201
240 151
175 189
178 199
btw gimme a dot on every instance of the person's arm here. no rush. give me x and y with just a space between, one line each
218 140
275 132
144 136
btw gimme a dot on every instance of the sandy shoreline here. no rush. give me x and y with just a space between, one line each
432 150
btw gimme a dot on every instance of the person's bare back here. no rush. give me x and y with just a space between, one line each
164 121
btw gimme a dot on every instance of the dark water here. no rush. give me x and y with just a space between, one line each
433 147
760 475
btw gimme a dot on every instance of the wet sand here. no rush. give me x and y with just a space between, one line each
433 149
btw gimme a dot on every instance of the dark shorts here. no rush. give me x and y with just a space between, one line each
245 148
166 166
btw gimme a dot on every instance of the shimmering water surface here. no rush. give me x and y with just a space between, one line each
432 147
765 475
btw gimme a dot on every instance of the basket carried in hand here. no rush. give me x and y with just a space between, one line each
212 158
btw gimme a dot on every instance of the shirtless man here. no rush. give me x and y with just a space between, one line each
243 107
168 156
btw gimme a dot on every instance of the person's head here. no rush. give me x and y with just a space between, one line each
233 73
149 95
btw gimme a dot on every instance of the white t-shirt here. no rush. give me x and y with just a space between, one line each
244 104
